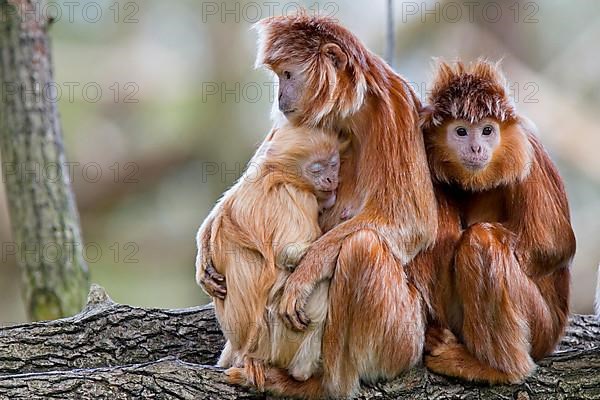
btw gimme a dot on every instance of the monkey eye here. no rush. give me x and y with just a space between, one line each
460 131
287 74
487 130
315 168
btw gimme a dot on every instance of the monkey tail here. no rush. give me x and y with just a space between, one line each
277 381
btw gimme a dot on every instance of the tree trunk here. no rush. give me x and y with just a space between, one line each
113 351
44 220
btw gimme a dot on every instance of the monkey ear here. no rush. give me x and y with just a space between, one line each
335 54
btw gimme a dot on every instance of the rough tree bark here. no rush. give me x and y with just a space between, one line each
45 223
121 352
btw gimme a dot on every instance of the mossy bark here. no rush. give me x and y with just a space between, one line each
45 224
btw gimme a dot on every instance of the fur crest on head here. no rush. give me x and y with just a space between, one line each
469 92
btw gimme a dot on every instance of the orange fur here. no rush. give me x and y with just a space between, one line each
260 227
506 242
467 91
375 324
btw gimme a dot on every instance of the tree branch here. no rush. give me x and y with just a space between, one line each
116 351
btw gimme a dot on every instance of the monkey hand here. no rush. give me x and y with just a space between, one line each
212 282
347 213
293 301
316 266
290 256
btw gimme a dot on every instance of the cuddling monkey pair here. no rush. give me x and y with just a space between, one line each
369 228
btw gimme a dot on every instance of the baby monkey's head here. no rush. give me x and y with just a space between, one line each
307 158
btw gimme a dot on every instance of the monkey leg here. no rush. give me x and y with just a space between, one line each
555 289
500 308
241 314
374 328
307 360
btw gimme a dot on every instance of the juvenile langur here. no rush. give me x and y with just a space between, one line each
384 215
505 240
259 231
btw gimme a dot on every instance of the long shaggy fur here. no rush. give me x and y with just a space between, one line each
472 92
298 40
468 91
269 215
505 243
375 325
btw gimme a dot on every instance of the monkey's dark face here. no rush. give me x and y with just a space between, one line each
473 144
323 175
291 91
317 90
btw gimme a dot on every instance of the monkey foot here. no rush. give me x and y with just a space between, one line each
445 355
253 374
236 376
438 340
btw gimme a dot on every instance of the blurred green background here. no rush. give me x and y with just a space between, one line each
162 107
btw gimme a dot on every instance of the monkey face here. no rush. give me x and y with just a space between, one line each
309 91
473 143
479 156
291 91
323 173
320 67
496 150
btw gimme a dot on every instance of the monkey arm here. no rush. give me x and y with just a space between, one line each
545 237
211 281
317 265
319 262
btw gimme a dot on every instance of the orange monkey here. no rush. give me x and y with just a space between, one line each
256 235
376 321
505 239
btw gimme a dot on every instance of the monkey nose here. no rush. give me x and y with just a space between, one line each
476 149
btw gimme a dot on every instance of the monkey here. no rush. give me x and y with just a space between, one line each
384 215
500 296
259 230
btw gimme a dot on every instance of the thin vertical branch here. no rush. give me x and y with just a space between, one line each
390 42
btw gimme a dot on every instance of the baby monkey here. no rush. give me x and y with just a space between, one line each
256 235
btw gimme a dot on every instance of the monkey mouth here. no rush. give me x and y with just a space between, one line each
475 164
288 111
